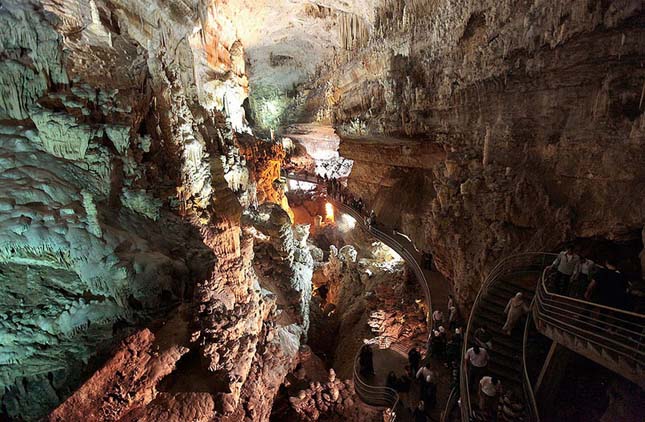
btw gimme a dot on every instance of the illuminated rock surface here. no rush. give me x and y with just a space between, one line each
149 268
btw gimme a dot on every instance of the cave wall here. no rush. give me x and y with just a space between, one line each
122 187
536 105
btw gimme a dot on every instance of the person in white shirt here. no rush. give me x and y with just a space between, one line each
489 390
582 277
565 265
424 372
477 359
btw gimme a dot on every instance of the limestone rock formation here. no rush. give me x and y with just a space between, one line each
122 188
537 141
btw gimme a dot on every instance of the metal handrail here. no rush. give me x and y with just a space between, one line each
509 265
534 413
450 403
374 395
395 245
589 322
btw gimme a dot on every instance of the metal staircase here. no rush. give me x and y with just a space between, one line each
380 395
517 273
608 336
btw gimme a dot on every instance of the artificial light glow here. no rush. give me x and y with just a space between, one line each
329 211
346 223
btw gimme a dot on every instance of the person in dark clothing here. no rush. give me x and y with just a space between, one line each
419 413
439 344
391 381
427 260
484 338
414 357
365 361
430 397
453 350
423 384
608 287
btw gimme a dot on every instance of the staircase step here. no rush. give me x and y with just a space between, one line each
505 293
505 373
513 283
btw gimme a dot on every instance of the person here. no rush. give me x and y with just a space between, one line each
484 338
429 395
427 260
437 319
452 317
424 372
372 219
414 358
515 308
451 301
419 413
489 390
439 344
608 286
365 361
436 344
391 381
565 265
477 360
582 277
453 349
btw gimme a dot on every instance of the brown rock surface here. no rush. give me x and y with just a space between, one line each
536 107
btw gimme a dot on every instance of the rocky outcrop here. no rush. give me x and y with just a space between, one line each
122 188
543 141
265 159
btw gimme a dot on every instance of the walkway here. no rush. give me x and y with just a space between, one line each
436 290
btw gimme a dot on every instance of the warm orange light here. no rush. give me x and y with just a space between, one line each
329 211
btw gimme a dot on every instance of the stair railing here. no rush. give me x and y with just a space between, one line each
372 394
395 245
528 262
375 395
534 414
609 336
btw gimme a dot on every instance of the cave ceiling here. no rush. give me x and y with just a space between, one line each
286 39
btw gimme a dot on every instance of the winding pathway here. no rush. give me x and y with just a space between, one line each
373 391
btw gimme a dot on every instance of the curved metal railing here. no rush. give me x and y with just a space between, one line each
379 396
450 404
534 414
611 337
388 239
529 262
374 395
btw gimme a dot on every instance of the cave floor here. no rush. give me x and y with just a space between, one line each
395 358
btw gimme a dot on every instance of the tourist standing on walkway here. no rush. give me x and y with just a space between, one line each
515 309
437 319
608 287
414 358
429 395
439 344
366 361
477 360
453 316
484 338
565 265
489 390
419 413
424 372
582 277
